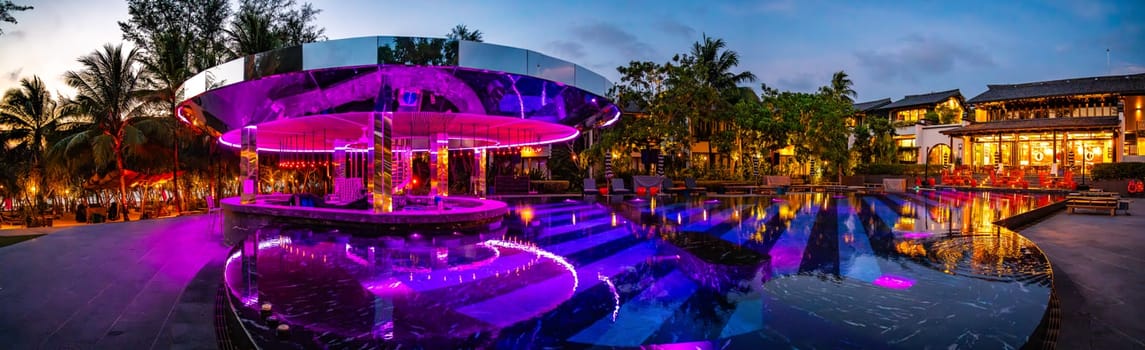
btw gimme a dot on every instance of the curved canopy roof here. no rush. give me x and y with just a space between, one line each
409 77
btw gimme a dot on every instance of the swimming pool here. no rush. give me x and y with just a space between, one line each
906 270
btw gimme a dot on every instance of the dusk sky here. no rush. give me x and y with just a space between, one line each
889 49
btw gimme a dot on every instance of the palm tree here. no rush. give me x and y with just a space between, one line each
251 33
6 9
841 87
110 89
32 118
167 66
461 32
712 63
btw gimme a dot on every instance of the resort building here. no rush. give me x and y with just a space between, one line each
1042 125
919 121
863 110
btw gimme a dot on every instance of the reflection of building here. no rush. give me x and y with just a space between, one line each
1096 120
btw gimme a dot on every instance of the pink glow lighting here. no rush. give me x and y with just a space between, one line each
916 235
613 120
615 295
894 282
560 260
249 300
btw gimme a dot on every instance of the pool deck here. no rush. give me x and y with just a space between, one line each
110 286
142 285
1099 274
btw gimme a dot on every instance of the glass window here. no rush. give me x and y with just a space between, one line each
493 57
590 81
274 62
195 85
225 74
340 53
416 51
546 67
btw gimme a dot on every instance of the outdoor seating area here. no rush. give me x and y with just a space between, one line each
1012 178
1097 200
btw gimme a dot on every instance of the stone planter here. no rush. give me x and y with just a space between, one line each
550 186
1119 186
853 180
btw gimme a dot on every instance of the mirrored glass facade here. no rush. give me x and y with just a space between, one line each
422 75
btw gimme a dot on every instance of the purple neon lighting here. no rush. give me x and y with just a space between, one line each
615 295
274 149
613 120
916 235
562 139
893 282
560 260
249 300
507 145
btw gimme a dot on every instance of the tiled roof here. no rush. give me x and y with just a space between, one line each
1134 83
871 105
924 99
1045 124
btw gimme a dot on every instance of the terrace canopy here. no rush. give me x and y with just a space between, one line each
371 104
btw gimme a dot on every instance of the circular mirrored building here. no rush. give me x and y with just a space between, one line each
382 119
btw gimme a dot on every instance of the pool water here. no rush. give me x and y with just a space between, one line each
906 270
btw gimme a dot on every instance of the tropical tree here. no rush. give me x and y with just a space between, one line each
32 118
763 131
643 89
154 22
450 45
110 89
841 87
461 32
883 143
714 63
711 65
166 67
864 144
264 25
6 9
819 130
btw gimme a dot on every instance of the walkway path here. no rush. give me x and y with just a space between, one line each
110 286
1099 273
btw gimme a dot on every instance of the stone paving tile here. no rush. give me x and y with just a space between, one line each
106 286
1099 272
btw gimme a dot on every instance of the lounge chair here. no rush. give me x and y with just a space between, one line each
590 187
690 184
618 187
647 185
668 187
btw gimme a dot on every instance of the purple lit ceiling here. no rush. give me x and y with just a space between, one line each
321 133
477 108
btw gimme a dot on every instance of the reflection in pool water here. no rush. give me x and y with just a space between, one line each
810 271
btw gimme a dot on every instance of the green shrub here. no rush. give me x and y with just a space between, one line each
1119 171
880 169
897 169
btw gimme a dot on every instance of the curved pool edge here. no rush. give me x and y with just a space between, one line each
1043 334
237 217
